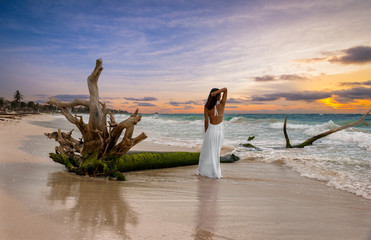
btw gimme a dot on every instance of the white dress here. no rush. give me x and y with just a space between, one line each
209 161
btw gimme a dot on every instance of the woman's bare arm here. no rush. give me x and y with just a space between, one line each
224 97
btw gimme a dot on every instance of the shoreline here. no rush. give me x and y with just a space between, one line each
254 200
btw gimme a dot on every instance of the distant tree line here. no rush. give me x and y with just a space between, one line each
18 105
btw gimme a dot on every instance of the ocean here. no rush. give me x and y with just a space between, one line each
342 160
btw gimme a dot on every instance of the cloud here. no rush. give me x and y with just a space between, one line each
42 95
308 96
143 104
176 104
70 98
233 100
311 60
291 77
367 83
286 77
353 93
265 78
346 95
231 106
354 55
141 99
266 98
110 98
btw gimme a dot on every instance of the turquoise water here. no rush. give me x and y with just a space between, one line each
342 160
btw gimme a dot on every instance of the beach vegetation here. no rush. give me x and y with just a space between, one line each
18 106
18 97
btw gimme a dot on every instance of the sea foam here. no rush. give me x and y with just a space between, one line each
342 159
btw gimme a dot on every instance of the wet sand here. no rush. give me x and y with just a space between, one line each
254 200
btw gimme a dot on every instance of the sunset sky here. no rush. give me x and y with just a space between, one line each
164 56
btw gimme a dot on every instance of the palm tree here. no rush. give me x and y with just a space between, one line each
18 97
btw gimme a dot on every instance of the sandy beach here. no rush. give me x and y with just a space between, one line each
254 200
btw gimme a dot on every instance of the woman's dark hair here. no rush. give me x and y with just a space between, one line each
211 101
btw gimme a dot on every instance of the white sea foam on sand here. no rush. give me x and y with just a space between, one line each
342 160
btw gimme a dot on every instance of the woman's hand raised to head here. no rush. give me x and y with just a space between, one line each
213 94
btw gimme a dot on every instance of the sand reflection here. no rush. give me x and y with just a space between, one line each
207 214
95 209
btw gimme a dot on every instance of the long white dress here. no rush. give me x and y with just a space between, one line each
209 161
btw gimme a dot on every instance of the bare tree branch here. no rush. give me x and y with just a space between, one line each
310 141
76 102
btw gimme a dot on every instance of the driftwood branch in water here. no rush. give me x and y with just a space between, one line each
310 141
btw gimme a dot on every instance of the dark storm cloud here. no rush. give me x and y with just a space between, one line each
354 55
141 99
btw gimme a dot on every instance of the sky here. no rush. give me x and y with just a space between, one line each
274 56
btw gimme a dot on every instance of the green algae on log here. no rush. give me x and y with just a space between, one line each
156 160
112 166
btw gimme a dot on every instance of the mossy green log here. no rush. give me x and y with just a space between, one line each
156 160
112 166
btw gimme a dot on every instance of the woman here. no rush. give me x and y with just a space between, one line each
209 162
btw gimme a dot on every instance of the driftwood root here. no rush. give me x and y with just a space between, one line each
100 136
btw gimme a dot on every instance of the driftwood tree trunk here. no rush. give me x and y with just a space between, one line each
100 138
310 141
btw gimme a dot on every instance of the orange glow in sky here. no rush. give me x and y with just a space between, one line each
165 56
